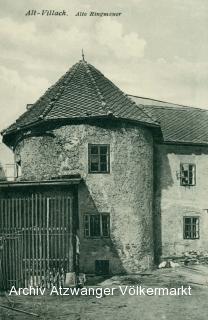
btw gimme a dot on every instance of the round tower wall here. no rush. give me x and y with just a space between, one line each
126 193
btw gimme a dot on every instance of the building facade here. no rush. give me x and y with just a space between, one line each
109 183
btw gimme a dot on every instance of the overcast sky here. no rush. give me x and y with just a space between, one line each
157 48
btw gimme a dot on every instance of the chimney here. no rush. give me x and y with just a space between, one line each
28 106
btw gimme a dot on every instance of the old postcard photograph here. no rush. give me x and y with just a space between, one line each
104 159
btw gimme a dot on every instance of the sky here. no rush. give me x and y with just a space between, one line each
155 49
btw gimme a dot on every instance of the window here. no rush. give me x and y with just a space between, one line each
99 158
191 228
101 267
97 225
188 174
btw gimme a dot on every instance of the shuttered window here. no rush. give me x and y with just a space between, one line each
188 174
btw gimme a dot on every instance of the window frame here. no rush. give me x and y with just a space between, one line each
101 215
194 180
191 225
90 145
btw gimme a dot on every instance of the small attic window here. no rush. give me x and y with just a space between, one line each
187 174
99 158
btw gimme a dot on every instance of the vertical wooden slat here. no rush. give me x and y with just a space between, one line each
59 230
1 218
19 215
70 236
40 238
29 236
56 232
33 242
63 231
68 229
15 277
9 215
12 215
8 242
36 237
13 244
26 273
47 234
44 205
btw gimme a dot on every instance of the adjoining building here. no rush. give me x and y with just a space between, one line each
109 183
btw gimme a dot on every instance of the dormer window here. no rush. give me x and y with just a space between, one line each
99 158
188 174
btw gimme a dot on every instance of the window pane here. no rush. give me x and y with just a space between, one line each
86 226
105 225
94 167
103 149
185 166
94 149
95 225
94 159
192 174
103 158
103 167
187 220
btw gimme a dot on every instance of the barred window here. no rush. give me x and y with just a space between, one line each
97 225
99 158
188 174
191 228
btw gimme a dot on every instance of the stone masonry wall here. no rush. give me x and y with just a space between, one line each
126 193
173 201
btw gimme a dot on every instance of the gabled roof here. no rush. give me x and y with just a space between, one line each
179 124
83 92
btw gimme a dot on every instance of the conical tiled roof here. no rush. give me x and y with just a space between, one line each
83 92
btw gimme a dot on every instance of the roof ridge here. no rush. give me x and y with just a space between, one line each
175 105
60 90
142 106
102 99
184 108
125 95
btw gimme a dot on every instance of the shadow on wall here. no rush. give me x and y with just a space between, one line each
2 173
162 180
94 250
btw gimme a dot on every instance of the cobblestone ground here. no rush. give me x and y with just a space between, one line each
123 307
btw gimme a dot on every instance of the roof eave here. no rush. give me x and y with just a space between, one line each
35 123
58 182
186 143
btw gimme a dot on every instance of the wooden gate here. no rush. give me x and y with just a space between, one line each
36 233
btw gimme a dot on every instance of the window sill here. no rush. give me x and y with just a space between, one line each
96 172
96 238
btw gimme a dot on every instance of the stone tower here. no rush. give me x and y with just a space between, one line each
85 126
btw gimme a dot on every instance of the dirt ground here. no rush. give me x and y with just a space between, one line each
123 307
